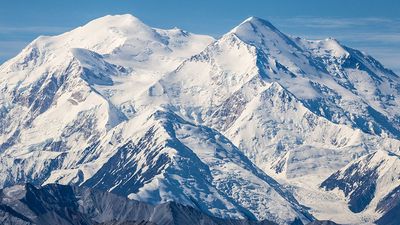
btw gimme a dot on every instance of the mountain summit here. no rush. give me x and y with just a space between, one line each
254 25
255 125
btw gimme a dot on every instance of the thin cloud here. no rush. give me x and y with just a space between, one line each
9 49
379 37
390 57
327 23
5 45
373 36
383 39
14 38
33 29
354 29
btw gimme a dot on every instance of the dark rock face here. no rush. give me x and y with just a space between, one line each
128 223
360 187
116 169
322 222
10 216
390 201
390 207
67 205
392 217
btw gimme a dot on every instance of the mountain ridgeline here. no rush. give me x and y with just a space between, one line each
152 126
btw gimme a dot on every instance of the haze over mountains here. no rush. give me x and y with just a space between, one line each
255 125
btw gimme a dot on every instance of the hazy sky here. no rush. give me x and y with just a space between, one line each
370 25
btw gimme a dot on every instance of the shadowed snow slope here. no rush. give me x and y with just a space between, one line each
370 183
238 127
66 205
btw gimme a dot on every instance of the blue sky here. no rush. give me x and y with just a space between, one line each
369 25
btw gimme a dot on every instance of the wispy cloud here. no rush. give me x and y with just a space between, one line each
8 49
8 46
379 37
370 37
14 38
390 57
326 23
32 29
373 29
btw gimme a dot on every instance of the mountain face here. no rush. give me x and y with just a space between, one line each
66 205
325 222
370 183
255 125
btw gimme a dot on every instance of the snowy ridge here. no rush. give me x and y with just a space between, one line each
167 115
275 113
367 182
149 165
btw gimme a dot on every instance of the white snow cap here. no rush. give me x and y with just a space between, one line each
253 24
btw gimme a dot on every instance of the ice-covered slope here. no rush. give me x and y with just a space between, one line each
160 157
298 109
76 71
337 82
56 95
275 97
79 108
279 133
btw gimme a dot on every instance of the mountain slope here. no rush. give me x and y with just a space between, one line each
267 103
166 115
79 205
53 74
160 157
369 183
74 70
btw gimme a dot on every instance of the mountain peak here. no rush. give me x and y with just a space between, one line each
255 23
258 21
118 19
256 30
164 115
122 24
252 18
261 33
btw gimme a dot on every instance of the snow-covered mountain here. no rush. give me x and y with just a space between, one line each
255 125
70 71
65 205
370 184
170 159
